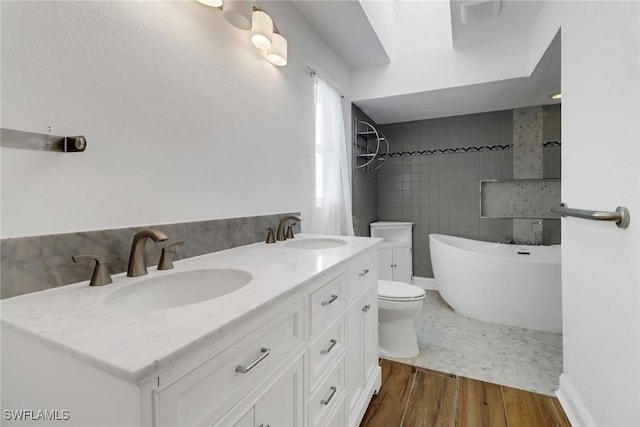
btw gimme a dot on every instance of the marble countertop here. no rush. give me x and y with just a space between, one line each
74 320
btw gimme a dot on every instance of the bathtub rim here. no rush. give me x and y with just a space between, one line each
513 258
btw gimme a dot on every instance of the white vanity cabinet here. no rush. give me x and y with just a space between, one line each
327 304
204 394
280 405
340 354
363 371
395 254
305 357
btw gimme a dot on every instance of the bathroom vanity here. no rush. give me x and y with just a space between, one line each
296 345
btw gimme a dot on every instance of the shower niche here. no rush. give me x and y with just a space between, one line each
519 198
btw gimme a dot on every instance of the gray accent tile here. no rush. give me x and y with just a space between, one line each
36 263
527 143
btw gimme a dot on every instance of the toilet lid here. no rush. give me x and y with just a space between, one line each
388 289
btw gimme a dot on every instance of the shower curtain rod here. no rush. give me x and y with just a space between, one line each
311 73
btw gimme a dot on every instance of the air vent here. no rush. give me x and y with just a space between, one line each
475 11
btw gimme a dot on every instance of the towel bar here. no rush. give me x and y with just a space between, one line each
620 216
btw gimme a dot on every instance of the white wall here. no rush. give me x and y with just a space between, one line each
184 118
600 170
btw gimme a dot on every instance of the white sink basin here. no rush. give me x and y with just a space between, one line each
177 289
315 243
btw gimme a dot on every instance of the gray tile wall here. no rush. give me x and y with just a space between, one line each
31 264
440 193
364 188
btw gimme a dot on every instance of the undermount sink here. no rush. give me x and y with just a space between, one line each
177 289
315 243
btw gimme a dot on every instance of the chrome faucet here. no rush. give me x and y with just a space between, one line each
282 223
137 266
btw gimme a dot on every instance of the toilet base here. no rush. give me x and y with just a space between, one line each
398 339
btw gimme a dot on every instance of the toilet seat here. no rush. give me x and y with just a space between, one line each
397 291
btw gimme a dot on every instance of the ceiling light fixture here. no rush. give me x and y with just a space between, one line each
238 13
261 30
277 55
556 96
212 3
245 14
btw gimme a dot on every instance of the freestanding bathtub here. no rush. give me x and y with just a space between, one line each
508 284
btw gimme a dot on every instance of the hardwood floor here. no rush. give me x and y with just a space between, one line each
416 397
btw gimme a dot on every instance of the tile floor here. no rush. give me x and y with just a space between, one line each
506 355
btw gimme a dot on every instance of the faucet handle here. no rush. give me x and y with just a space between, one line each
289 234
270 239
166 257
101 274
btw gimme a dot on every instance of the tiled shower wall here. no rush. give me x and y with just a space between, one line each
440 192
438 189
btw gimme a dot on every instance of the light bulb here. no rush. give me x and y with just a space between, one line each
277 55
261 30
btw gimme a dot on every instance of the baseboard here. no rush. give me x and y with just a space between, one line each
573 406
427 283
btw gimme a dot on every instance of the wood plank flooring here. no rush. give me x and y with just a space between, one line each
416 397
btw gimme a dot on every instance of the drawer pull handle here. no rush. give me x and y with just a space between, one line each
243 370
328 399
330 300
328 349
366 308
364 273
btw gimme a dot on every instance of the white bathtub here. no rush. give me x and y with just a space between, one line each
508 284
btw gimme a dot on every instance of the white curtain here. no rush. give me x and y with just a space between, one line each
332 202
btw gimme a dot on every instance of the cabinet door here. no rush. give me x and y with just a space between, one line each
403 264
370 326
282 404
355 354
385 262
247 419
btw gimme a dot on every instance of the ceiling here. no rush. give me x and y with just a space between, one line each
346 28
353 29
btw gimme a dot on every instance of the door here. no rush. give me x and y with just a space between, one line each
600 262
370 325
355 353
282 404
402 264
385 262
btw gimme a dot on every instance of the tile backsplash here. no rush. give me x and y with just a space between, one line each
35 263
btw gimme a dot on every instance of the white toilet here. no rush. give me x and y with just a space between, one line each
398 303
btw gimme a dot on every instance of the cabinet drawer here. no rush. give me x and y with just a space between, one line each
337 419
362 273
327 304
207 392
328 396
324 351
